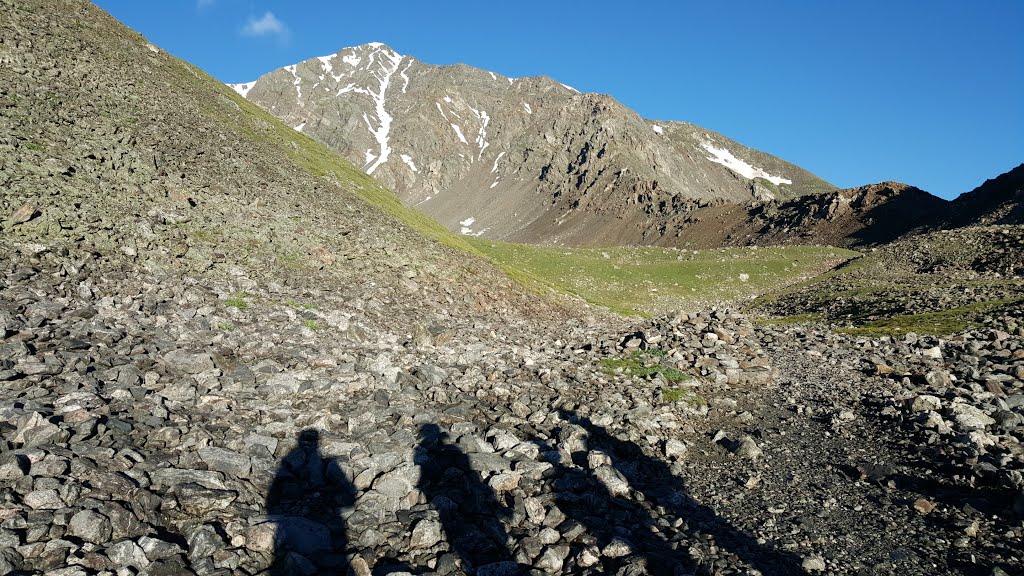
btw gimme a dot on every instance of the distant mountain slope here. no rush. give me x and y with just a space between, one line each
863 216
525 159
855 217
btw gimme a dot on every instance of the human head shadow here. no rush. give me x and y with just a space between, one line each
586 499
305 503
469 511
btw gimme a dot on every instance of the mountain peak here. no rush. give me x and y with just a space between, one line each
371 47
531 159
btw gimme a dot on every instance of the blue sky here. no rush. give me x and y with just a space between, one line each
927 92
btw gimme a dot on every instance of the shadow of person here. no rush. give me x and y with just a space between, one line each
304 506
468 509
600 501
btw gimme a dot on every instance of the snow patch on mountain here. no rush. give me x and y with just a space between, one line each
658 130
298 81
300 127
481 138
386 69
727 159
527 108
571 88
408 160
467 229
495 167
404 77
242 89
325 61
458 132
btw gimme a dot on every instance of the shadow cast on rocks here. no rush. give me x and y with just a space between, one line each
613 493
468 510
304 512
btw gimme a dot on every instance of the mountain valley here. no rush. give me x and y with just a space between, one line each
227 347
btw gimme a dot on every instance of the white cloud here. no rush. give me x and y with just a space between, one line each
268 25
204 3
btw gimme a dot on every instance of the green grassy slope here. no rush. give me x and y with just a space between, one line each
650 280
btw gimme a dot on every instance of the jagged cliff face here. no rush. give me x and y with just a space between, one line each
525 159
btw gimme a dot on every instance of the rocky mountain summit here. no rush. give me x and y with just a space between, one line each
224 350
522 159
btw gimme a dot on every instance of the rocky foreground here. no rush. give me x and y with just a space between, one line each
162 425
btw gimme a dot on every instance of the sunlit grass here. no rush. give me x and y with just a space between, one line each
649 280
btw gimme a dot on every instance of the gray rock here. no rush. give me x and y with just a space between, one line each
573 438
969 417
43 500
748 448
296 564
36 430
90 526
552 559
199 500
157 549
613 481
171 477
675 449
128 553
189 361
617 548
504 482
226 461
431 375
398 483
203 541
425 534
814 564
285 383
925 403
12 467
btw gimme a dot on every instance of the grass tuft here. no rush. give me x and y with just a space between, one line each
633 365
940 323
237 301
680 394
